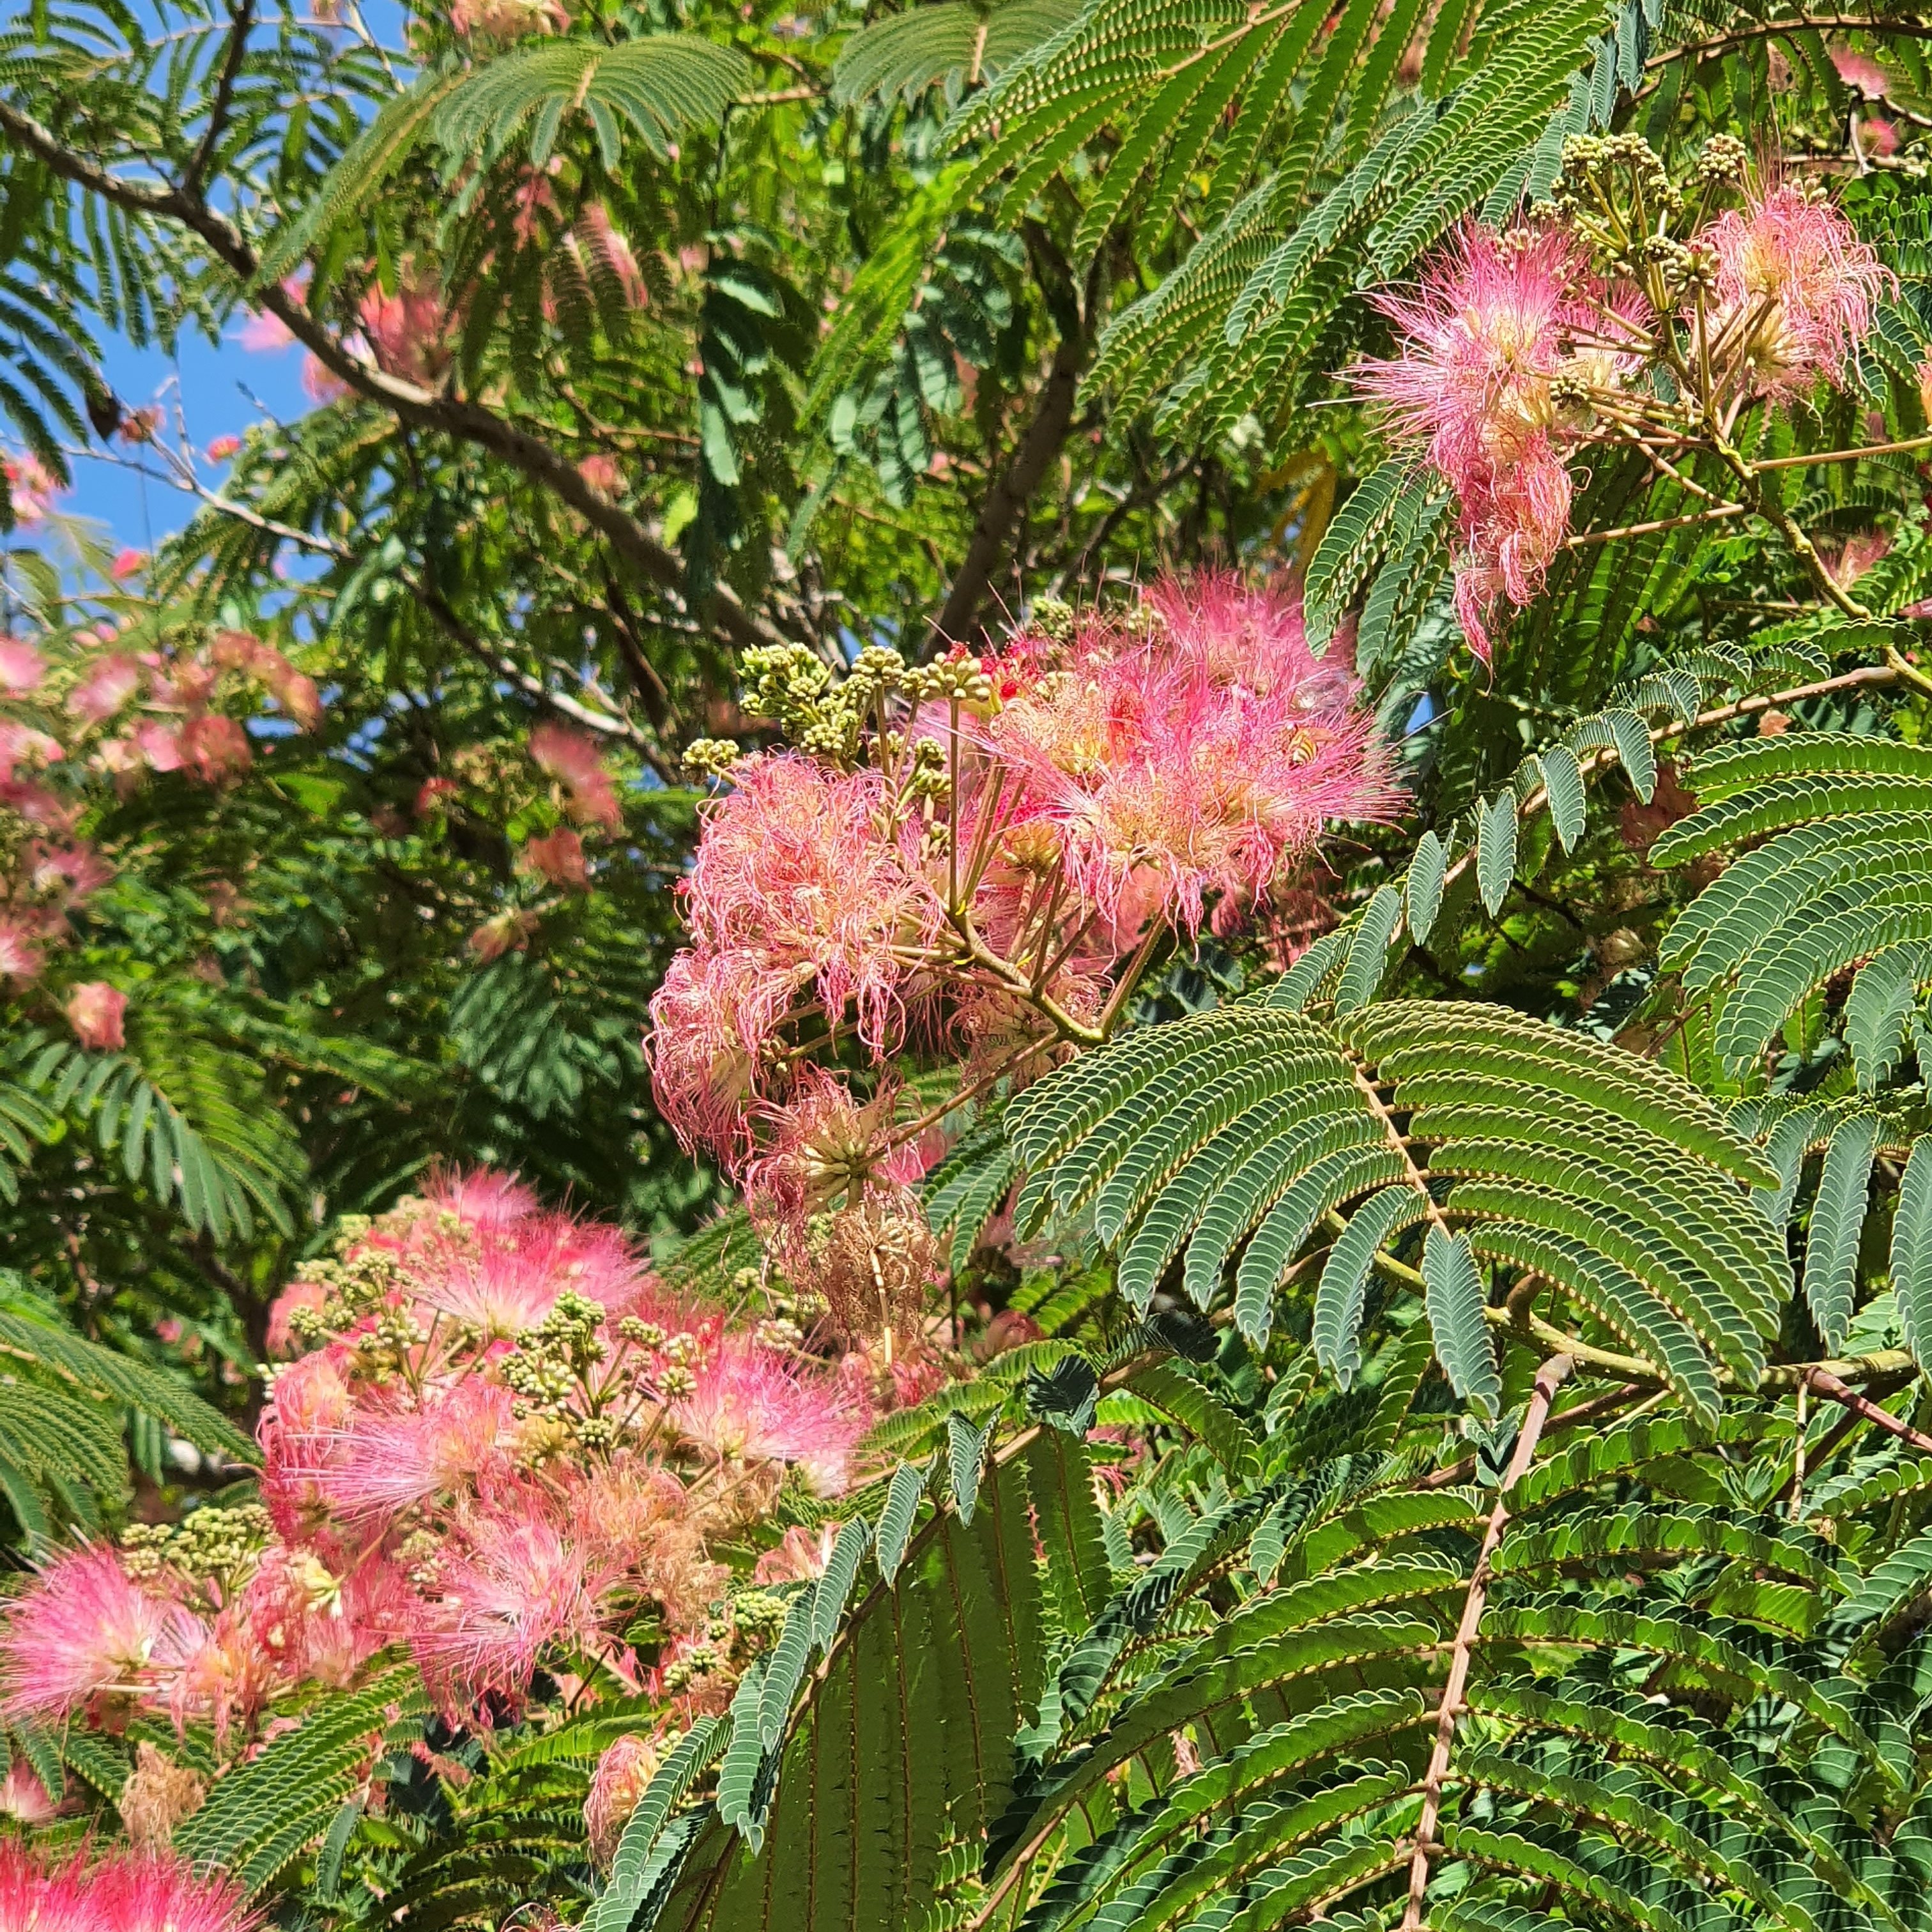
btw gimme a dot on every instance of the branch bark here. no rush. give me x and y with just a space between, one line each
1548 1379
1005 503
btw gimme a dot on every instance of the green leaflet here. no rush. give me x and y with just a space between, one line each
1837 1220
1345 1275
1495 849
1454 1298
1912 1252
1368 955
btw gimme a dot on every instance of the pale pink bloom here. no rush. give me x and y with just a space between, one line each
281 1336
127 563
108 685
159 745
498 1291
20 947
83 1626
23 745
155 1891
1796 289
752 1404
223 447
1880 137
216 746
507 931
1860 73
507 20
574 762
264 334
628 1765
483 1196
596 237
558 857
1483 337
1205 758
73 873
394 1461
21 666
25 1799
304 1436
517 1585
320 383
31 488
602 473
800 1556
94 1010
797 891
410 332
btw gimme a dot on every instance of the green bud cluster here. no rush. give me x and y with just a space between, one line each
711 757
759 1616
789 685
208 1543
1053 618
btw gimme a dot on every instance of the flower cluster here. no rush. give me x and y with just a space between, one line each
979 855
505 1444
80 703
137 1891
1630 313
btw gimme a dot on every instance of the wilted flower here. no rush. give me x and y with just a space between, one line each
157 1795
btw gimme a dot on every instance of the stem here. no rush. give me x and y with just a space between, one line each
1550 1377
1819 1378
1577 541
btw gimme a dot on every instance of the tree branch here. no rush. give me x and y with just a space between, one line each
1549 1378
1005 503
453 416
242 15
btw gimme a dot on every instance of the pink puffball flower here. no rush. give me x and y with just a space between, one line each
1484 339
216 746
155 1891
519 1585
797 890
263 334
443 1447
20 948
752 1404
38 1896
409 330
224 447
801 1556
602 473
482 1196
84 1627
1796 290
31 489
94 1010
574 762
25 1799
23 745
1860 73
507 20
108 685
558 857
127 563
1204 753
627 1766
21 666
320 383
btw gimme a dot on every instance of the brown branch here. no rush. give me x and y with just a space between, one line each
1549 1378
454 416
1771 29
242 17
1828 1385
1005 503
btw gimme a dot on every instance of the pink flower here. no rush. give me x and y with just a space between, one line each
94 1010
602 474
797 888
1484 336
159 744
517 1585
431 793
1860 73
320 383
72 873
216 746
482 1196
81 1628
508 931
801 1556
21 666
281 1336
23 745
752 1404
409 331
574 762
25 1799
263 334
627 1766
599 243
1795 289
155 1891
107 686
31 488
223 447
558 858
507 20
127 563
20 947
1204 753
38 1896
444 1447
